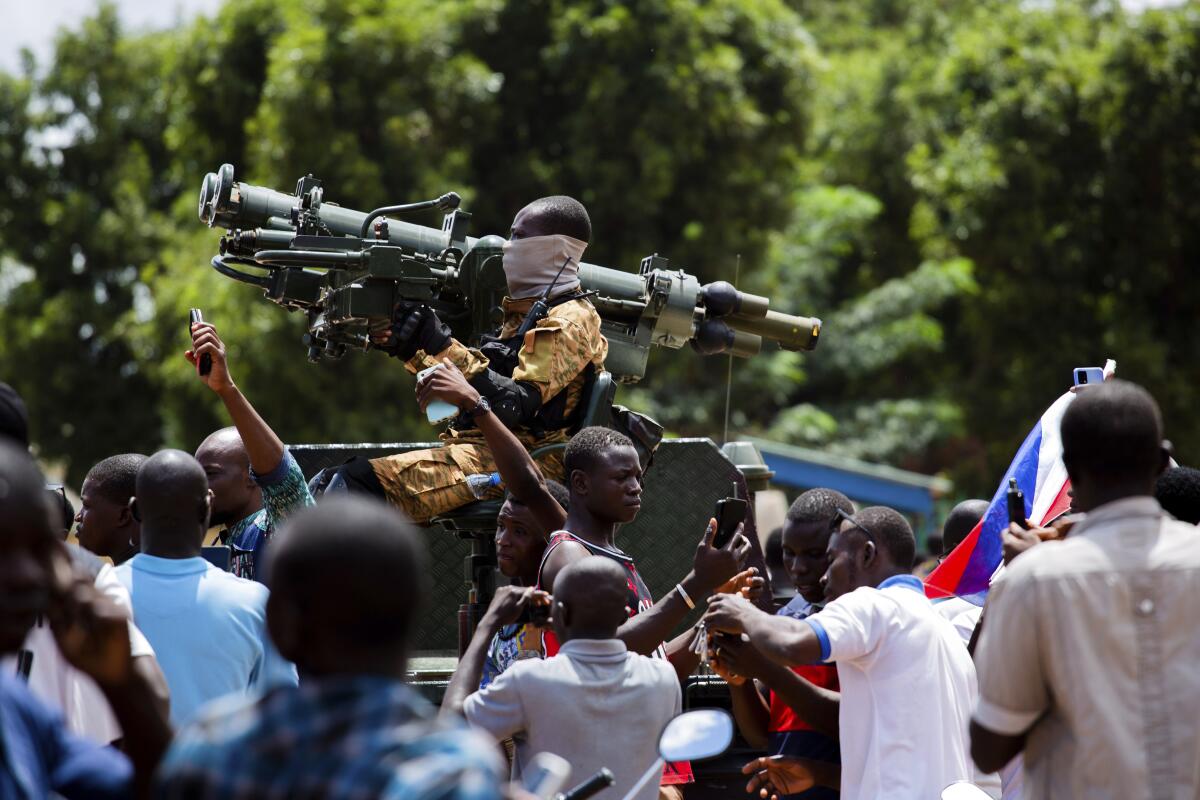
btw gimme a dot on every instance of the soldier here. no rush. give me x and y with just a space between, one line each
535 384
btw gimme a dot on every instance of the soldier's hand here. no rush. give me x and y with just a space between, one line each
448 384
415 326
206 341
394 334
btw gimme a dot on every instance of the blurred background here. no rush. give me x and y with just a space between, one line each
975 196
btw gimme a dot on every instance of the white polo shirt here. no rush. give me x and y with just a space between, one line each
908 686
52 678
595 704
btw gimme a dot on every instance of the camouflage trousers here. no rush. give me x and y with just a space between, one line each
428 483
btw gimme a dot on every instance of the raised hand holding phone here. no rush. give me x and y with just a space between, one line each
194 318
1016 504
208 349
730 512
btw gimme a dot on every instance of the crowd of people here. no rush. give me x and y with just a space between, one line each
218 632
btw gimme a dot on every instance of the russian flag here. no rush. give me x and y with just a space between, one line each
1042 478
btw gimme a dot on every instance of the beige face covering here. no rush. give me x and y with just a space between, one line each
531 265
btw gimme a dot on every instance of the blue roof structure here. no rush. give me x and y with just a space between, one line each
872 484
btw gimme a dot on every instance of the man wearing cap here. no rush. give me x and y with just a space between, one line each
536 385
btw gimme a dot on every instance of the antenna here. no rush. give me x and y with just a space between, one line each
737 269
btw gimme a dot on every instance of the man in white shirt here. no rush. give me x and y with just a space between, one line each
54 680
595 703
907 683
1087 658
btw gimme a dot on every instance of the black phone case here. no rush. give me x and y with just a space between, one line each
1016 508
728 517
206 359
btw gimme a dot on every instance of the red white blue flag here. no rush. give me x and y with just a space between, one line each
1042 478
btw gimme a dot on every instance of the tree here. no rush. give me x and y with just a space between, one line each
1048 145
81 211
384 100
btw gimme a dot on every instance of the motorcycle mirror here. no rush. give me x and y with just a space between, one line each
962 790
702 733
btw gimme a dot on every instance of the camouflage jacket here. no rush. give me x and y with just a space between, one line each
554 355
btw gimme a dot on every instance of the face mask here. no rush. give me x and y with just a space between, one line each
531 265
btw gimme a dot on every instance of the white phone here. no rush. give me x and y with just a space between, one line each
437 411
546 775
1085 376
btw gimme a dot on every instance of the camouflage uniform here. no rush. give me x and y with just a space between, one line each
554 356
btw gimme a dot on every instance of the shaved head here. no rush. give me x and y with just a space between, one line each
227 465
347 579
548 216
226 442
959 523
172 501
590 598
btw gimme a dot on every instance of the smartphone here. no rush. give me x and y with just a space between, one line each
729 513
1016 504
1086 376
438 410
195 316
546 775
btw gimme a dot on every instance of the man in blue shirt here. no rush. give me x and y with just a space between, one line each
207 627
37 754
347 582
254 479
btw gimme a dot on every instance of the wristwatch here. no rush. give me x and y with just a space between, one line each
482 407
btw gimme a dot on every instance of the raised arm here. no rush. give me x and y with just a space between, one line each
506 607
517 469
262 445
710 569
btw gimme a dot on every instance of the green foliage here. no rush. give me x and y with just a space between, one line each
679 126
1054 146
975 197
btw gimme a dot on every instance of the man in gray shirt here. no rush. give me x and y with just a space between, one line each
595 703
1087 659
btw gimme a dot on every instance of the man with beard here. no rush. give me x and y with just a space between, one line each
254 479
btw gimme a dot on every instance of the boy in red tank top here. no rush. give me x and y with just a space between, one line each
603 476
